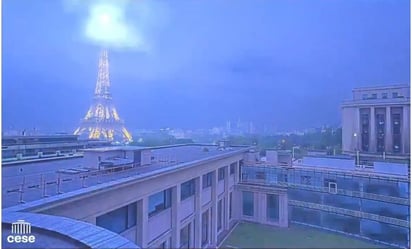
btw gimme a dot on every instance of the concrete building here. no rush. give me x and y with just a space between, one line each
377 120
165 197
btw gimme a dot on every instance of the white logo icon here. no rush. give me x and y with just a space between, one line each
20 233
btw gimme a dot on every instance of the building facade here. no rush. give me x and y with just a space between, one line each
377 120
190 200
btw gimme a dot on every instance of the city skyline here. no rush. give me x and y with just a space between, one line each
256 65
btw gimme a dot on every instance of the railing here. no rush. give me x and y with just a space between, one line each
385 198
39 186
359 214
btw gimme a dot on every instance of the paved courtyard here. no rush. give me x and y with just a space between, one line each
248 235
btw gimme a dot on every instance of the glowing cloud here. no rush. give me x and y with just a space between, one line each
106 22
106 25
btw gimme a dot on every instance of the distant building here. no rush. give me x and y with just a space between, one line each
377 120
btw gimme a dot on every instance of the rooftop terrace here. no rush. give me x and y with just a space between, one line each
42 187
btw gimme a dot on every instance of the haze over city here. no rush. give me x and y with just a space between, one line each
195 64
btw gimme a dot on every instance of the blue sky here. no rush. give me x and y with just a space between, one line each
199 63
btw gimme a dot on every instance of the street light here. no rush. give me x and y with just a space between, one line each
357 149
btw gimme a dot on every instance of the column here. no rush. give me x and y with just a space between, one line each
372 135
237 170
283 210
213 216
197 227
358 137
388 132
175 217
142 222
405 130
261 205
226 224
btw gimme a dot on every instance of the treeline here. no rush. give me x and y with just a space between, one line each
328 139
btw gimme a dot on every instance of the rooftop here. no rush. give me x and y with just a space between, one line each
35 187
347 164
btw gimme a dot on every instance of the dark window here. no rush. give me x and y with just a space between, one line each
207 180
364 96
205 227
395 95
384 95
219 215
230 205
187 189
306 180
232 168
119 220
159 202
221 174
248 203
374 96
365 132
272 207
396 130
185 237
380 132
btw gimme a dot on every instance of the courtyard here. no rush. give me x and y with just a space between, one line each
249 235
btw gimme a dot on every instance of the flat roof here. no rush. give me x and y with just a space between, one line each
115 148
165 159
348 165
381 87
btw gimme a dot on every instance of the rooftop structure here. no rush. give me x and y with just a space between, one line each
102 120
377 120
17 149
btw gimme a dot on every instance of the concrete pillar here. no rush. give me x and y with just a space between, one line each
237 204
262 205
198 214
142 222
283 210
358 132
226 224
175 243
372 135
405 130
388 131
213 211
237 170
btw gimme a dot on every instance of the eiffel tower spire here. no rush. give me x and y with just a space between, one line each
102 120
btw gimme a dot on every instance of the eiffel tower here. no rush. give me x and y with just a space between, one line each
102 120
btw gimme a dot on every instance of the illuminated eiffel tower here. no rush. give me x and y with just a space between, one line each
102 120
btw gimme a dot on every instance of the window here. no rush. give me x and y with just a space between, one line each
248 203
272 207
187 189
374 96
395 95
219 215
365 96
207 180
306 180
230 205
119 220
205 228
232 168
185 237
260 175
333 188
159 202
221 174
384 95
